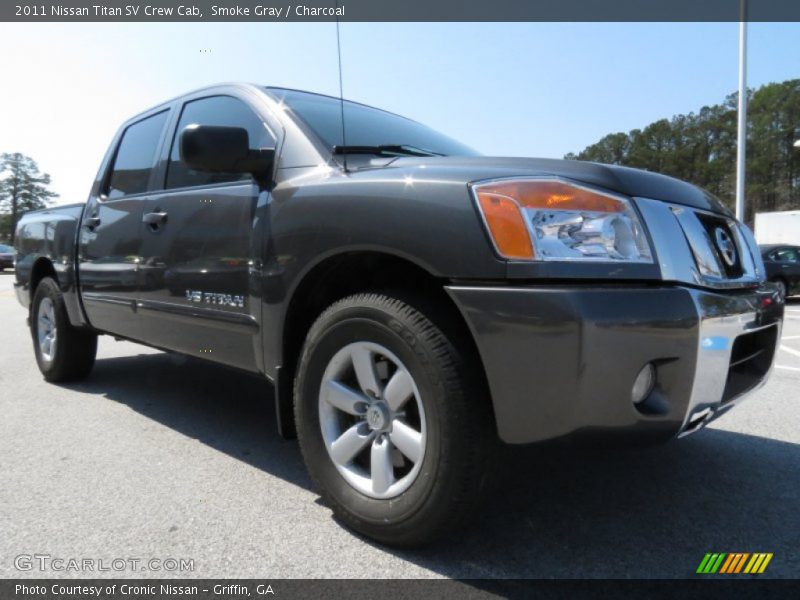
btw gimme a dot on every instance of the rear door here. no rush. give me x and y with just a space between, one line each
109 241
202 236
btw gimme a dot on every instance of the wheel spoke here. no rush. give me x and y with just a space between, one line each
407 440
364 366
350 443
46 329
345 399
381 468
399 389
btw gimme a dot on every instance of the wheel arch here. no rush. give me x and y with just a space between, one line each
42 267
351 272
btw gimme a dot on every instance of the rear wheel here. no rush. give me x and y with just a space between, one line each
394 428
63 352
782 288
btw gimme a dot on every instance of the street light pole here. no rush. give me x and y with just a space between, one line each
741 141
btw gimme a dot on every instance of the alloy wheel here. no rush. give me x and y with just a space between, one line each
46 329
372 420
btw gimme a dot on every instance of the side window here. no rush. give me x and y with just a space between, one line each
217 110
136 156
787 255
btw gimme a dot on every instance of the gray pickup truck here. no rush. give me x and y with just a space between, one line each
414 303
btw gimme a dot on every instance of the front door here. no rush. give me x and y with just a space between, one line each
110 233
203 243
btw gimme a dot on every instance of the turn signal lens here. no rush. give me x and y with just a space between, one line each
551 219
554 194
506 225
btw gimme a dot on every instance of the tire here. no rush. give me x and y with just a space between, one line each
782 288
69 355
403 488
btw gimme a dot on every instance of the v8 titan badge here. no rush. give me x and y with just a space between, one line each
234 300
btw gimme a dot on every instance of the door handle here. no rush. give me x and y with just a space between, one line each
91 223
155 219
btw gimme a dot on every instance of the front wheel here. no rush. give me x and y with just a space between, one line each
63 352
394 425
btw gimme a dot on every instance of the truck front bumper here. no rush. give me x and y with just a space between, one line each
562 360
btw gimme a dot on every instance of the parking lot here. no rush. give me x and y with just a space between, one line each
157 456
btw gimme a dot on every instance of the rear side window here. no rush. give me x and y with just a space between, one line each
216 110
136 156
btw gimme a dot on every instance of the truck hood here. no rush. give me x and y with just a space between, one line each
622 180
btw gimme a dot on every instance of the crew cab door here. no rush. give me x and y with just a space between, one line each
201 232
109 240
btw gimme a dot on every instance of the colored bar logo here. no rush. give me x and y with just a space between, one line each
734 562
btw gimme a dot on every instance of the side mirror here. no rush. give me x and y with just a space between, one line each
223 149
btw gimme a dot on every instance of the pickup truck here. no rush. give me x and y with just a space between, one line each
418 306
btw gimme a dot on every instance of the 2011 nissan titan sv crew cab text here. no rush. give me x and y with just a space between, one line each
414 303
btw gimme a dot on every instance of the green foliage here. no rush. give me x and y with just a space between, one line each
701 148
5 227
22 188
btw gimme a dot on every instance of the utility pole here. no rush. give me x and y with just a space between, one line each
741 141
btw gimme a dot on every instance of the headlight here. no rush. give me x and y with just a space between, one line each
552 219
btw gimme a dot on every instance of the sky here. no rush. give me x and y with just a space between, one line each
507 89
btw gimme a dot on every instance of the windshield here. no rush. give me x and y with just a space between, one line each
367 127
5 249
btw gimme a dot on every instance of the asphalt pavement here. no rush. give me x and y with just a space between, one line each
160 457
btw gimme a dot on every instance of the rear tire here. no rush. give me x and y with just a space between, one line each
421 457
782 287
63 352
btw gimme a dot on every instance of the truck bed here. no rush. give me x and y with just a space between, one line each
47 237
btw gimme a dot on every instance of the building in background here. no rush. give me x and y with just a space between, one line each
781 227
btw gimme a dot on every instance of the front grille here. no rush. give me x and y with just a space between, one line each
751 358
681 237
721 252
730 263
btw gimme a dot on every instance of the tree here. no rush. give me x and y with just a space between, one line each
701 148
22 188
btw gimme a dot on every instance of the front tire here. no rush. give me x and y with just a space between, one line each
63 352
393 422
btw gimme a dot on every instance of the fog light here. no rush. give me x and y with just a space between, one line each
645 381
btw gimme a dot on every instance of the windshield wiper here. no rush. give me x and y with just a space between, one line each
385 150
